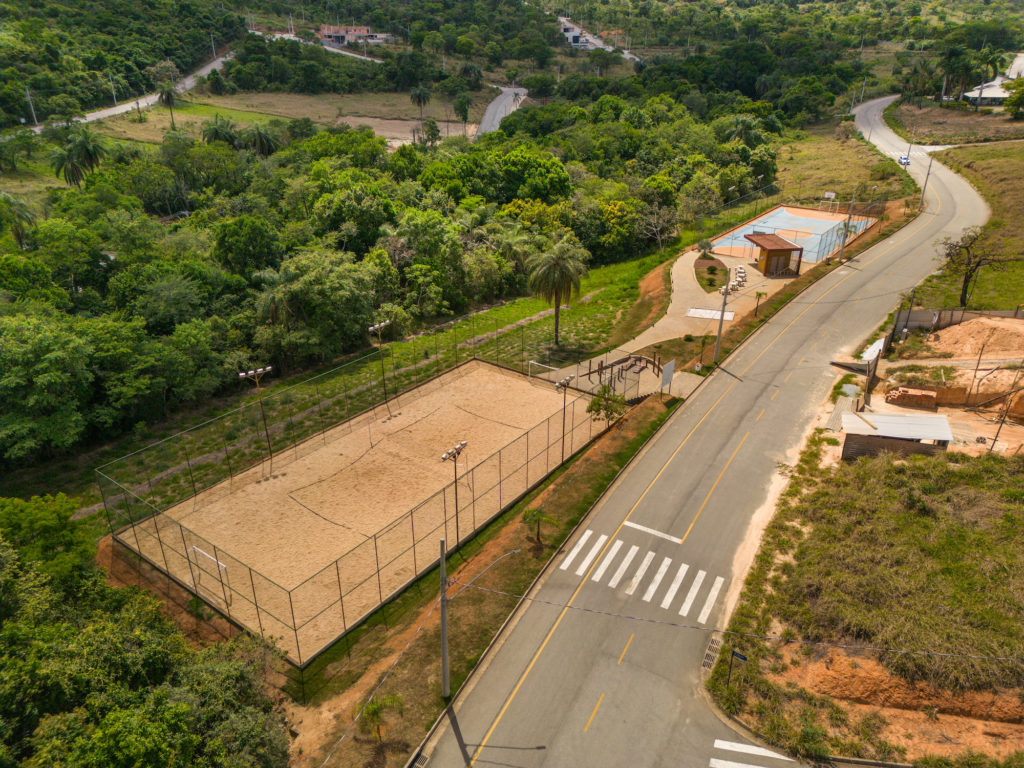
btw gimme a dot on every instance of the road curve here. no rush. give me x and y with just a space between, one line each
502 105
615 679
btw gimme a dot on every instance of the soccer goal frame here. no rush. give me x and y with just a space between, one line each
217 573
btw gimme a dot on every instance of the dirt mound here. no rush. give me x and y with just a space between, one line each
998 335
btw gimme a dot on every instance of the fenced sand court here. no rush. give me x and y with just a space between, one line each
305 548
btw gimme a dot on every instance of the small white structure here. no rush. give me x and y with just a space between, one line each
868 434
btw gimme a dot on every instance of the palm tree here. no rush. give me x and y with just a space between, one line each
15 214
555 273
65 163
87 147
374 710
166 94
262 141
220 129
420 96
746 128
993 60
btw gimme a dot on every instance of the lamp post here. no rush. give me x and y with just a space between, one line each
564 386
255 376
378 329
452 454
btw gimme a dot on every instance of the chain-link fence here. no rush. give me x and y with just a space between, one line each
308 617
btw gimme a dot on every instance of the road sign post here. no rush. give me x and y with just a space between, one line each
735 655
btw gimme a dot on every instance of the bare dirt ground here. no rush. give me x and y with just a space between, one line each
275 546
922 719
933 125
994 336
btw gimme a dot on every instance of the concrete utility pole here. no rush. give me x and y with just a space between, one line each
113 92
31 106
721 316
1006 408
846 228
213 47
924 187
445 677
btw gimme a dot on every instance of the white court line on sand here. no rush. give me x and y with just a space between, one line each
653 532
576 550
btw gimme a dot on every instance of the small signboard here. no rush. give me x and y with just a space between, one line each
738 655
830 195
666 374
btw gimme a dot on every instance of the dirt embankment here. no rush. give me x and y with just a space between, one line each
919 717
990 336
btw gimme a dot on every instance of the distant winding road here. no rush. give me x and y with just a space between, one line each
504 104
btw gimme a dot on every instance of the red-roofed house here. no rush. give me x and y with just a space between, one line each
777 255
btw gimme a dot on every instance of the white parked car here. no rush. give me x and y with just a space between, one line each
904 161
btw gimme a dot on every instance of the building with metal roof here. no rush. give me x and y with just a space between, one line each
868 434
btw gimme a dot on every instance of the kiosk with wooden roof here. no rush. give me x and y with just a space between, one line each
776 256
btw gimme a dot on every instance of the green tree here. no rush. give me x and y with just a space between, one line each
967 255
167 94
221 129
87 146
16 216
262 140
606 404
374 713
992 59
555 273
246 244
66 164
420 96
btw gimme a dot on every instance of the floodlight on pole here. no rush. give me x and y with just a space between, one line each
378 329
255 376
564 386
453 455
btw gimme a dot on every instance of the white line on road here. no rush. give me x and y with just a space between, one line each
750 749
674 587
657 579
599 573
712 596
576 550
692 593
639 573
591 555
714 762
623 566
645 529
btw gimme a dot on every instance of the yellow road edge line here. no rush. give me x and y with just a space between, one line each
715 485
596 707
623 654
526 672
759 416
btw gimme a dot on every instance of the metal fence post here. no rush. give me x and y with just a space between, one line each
223 586
184 548
341 596
295 628
320 411
412 528
376 555
255 600
160 541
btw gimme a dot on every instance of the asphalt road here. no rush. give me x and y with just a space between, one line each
568 687
501 106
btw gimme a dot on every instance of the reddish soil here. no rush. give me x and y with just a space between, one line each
1000 336
654 287
919 717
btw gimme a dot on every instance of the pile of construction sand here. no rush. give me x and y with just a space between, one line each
1000 336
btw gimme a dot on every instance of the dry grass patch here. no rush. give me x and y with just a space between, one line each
188 118
930 124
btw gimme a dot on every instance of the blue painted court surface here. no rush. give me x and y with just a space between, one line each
818 232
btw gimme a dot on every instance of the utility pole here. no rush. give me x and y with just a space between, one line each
1006 408
931 159
445 681
846 228
378 329
721 316
256 376
452 454
862 87
31 106
213 47
113 92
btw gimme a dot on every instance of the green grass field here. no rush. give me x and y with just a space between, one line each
997 171
188 118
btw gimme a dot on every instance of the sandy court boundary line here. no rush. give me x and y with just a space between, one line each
302 555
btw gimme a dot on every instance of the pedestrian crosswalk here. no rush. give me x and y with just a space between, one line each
741 751
641 572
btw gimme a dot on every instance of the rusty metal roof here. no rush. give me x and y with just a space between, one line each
772 242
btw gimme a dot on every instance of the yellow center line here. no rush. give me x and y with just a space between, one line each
586 576
623 654
759 416
596 706
717 480
774 394
811 347
787 377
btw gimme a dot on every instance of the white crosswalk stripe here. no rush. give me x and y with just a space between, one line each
623 566
692 594
590 552
576 550
639 573
749 749
585 563
656 581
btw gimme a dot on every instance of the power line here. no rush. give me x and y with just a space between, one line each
733 633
